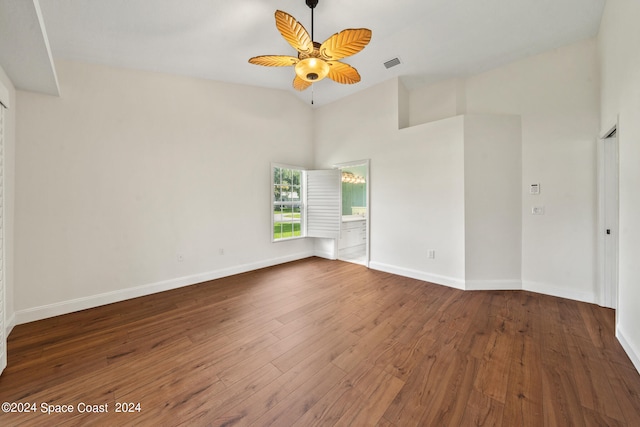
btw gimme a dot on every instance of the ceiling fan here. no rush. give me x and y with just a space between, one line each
316 61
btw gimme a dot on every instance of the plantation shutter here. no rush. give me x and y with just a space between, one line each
323 203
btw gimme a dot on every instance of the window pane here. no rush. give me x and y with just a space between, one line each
295 193
277 231
277 175
282 193
297 232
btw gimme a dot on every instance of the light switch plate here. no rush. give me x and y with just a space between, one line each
537 210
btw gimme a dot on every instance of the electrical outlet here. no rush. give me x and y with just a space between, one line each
221 251
180 258
431 254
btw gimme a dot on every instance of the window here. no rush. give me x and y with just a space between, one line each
304 203
287 205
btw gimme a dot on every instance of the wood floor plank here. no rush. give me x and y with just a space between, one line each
483 411
336 340
285 352
400 361
377 391
626 390
456 392
319 318
306 396
361 349
523 403
419 390
385 423
476 337
596 419
328 410
493 377
322 343
446 402
594 389
561 404
553 347
215 404
264 400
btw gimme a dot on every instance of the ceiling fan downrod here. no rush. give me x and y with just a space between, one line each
312 5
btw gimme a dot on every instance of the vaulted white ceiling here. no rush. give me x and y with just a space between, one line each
213 39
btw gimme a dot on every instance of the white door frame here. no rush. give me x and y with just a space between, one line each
4 103
608 212
364 163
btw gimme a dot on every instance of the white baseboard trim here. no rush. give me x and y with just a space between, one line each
633 353
65 307
452 282
11 322
493 285
555 291
325 254
541 288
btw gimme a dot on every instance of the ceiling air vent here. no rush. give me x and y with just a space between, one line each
392 63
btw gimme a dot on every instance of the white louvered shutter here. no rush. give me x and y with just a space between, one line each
323 200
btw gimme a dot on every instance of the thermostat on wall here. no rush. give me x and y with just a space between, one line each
534 189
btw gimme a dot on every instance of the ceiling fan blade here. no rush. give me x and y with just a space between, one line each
299 84
345 43
293 32
342 73
274 60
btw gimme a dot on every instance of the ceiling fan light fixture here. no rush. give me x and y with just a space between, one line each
312 69
315 61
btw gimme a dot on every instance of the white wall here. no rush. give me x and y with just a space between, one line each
618 43
437 101
492 195
128 170
556 95
418 196
416 181
9 197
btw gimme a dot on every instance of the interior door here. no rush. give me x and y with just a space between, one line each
610 224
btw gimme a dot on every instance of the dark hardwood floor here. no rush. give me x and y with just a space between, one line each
319 342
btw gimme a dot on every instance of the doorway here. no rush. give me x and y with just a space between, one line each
353 244
608 219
